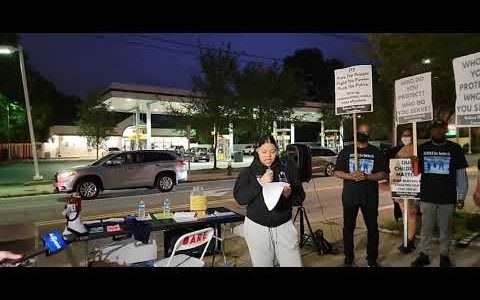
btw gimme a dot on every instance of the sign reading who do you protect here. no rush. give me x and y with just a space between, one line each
467 86
413 98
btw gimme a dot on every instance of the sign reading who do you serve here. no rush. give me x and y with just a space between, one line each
413 98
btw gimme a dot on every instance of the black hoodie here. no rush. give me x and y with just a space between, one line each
248 191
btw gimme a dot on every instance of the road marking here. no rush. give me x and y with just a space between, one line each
123 213
324 188
386 207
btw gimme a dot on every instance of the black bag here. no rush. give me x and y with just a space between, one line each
325 246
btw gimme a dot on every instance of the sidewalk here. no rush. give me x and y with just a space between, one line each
389 255
236 250
25 190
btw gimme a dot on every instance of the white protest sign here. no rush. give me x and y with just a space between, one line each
353 90
467 86
403 182
413 99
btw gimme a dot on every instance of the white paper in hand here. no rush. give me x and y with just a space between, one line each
271 193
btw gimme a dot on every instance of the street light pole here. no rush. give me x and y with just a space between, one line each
8 131
37 175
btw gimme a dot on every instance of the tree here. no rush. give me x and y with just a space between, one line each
402 55
315 73
49 106
13 120
214 101
266 94
95 121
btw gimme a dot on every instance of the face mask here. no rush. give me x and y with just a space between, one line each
362 137
439 141
406 140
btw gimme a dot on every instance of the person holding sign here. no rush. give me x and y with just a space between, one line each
270 234
360 191
406 151
444 186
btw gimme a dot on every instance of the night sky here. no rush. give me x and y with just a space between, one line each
80 63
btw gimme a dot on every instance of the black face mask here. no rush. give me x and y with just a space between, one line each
362 137
439 140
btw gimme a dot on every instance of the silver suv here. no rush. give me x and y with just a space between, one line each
131 169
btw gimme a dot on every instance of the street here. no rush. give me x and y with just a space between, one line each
323 200
322 192
21 172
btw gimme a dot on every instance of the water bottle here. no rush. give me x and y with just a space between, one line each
166 206
141 210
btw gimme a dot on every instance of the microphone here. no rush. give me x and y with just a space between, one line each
53 243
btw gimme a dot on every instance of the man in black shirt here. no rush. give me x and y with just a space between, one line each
444 185
360 190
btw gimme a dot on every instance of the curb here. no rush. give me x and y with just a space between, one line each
463 243
40 182
212 179
25 195
394 232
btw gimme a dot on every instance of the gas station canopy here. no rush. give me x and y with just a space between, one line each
127 98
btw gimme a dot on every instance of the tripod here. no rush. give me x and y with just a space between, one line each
321 244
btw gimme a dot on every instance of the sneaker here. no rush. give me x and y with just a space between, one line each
421 261
410 247
373 264
445 261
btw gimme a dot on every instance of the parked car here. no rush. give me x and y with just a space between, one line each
196 154
323 160
132 169
248 150
114 150
179 149
199 153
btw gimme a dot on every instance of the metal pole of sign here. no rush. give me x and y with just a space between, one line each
469 140
394 129
405 201
457 131
355 151
405 222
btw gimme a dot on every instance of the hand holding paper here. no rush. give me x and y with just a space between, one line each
287 191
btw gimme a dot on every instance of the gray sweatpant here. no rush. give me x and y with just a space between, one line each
442 214
267 244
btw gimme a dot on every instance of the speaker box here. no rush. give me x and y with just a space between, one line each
301 156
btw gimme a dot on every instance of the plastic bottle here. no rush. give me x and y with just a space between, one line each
166 207
141 210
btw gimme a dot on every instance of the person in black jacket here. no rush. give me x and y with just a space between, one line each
270 235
